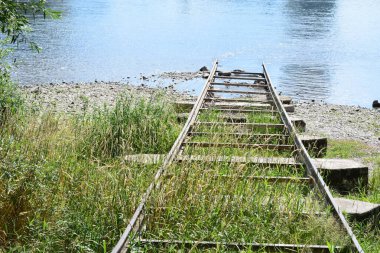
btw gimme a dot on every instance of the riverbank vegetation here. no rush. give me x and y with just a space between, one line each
63 183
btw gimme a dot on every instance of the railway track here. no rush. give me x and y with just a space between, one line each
229 185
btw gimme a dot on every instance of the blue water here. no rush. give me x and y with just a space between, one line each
314 49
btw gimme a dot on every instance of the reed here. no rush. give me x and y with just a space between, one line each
63 183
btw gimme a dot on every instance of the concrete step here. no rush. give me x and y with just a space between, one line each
358 210
343 175
299 123
144 158
315 145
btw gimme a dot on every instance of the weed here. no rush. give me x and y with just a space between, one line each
346 149
63 185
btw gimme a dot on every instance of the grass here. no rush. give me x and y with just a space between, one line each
222 202
65 187
349 149
346 149
63 183
208 208
367 231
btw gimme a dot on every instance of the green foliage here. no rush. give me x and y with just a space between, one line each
10 99
15 16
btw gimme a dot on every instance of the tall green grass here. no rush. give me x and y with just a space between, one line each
64 186
134 125
197 203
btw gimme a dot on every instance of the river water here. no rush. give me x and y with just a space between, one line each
314 49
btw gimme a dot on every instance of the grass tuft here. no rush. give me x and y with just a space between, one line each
63 183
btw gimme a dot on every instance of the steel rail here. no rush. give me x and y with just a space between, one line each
310 166
240 110
264 86
122 245
240 246
240 134
268 179
257 125
275 161
241 78
241 100
242 105
233 117
238 92
254 74
278 147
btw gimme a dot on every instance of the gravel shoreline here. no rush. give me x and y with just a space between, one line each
76 97
332 121
341 122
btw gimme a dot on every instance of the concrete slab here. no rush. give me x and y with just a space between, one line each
299 123
343 175
289 108
358 209
286 100
144 158
315 145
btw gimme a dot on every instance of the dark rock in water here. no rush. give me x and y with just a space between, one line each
224 73
204 68
376 104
